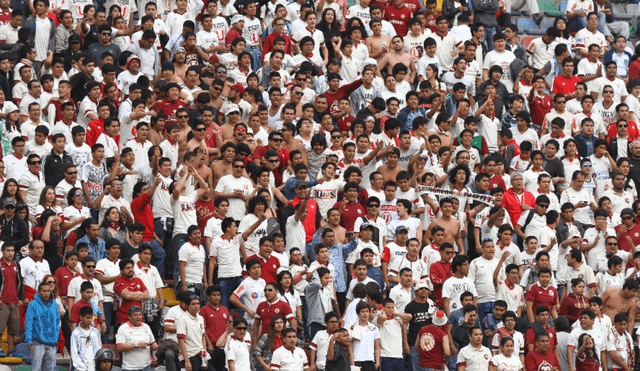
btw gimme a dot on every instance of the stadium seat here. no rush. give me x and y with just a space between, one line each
529 26
527 40
23 348
515 13
632 9
169 295
547 23
23 368
549 8
563 6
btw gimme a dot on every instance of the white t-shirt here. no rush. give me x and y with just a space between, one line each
228 184
481 272
227 253
251 292
493 58
504 363
453 287
128 334
194 256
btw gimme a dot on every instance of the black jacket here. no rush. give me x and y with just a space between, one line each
15 232
53 167
613 146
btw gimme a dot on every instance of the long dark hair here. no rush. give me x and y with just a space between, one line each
7 125
590 355
106 222
332 28
271 335
5 192
564 34
349 25
280 288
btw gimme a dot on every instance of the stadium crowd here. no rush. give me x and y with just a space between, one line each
273 185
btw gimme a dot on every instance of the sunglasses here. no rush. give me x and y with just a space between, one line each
241 328
199 130
612 244
544 206
336 137
238 167
277 140
274 161
217 89
269 289
221 71
183 116
374 205
51 282
90 266
79 194
35 163
298 93
106 34
423 158
73 173
241 129
607 92
623 126
627 217
587 165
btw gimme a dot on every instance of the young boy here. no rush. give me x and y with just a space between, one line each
318 302
322 260
78 149
85 341
250 291
499 57
94 174
429 57
586 139
391 324
39 144
508 330
521 162
111 130
321 342
12 296
516 105
612 277
66 273
170 145
619 344
363 335
83 251
86 300
490 124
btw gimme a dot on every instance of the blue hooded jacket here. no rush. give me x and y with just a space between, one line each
42 322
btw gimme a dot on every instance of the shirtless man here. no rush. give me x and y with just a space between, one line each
185 129
204 170
223 166
450 224
377 43
295 97
616 300
397 55
156 129
179 65
391 169
291 143
233 113
443 123
333 219
240 136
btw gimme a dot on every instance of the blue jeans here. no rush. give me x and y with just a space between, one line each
305 313
415 358
579 23
174 249
483 310
392 364
488 37
157 259
227 287
428 369
309 252
314 328
108 318
43 357
453 362
256 63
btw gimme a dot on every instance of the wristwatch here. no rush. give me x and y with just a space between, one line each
136 346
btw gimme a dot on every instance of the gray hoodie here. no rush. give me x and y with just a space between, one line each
484 12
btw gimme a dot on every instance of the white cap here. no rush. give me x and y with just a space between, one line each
422 284
9 107
232 108
439 319
236 18
369 61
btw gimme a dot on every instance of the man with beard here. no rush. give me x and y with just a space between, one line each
541 358
130 289
395 56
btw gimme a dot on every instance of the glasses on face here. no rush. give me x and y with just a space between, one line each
238 167
274 161
608 92
269 289
586 165
561 102
544 206
72 173
35 163
199 130
277 140
336 137
298 93
116 185
90 266
51 282
375 206
612 244
423 158
333 322
623 126
217 89
241 328
221 71
183 116
78 194
106 34
627 217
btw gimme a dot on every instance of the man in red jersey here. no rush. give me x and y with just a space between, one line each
336 92
270 263
131 289
432 344
440 271
215 318
170 105
541 358
96 127
398 15
311 222
143 214
275 144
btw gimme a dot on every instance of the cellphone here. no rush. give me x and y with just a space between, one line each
349 234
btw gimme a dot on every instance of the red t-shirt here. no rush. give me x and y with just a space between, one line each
536 361
204 211
632 133
74 314
540 296
132 285
564 85
143 214
283 156
439 273
5 17
169 109
350 214
539 108
634 233
64 276
530 337
269 267
399 18
266 311
215 321
58 106
94 129
9 282
210 136
232 35
431 350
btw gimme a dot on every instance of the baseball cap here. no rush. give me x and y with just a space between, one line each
232 108
336 61
238 87
131 58
8 202
369 61
301 183
10 107
422 284
401 228
365 225
236 18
